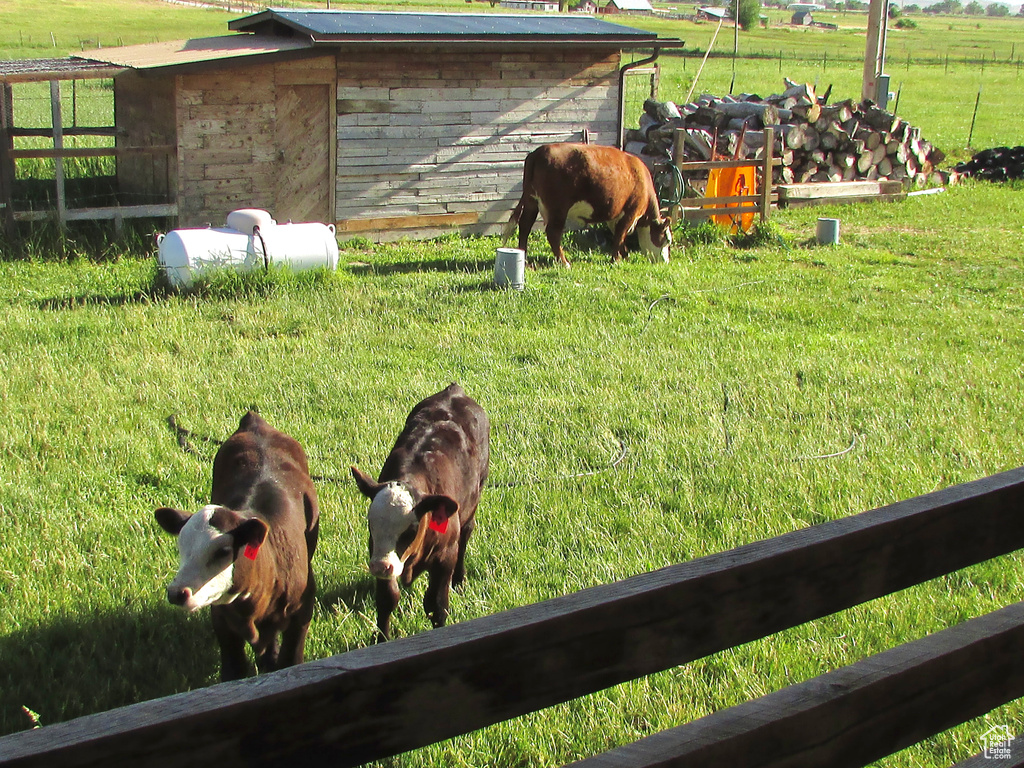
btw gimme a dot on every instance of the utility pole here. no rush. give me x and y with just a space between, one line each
876 84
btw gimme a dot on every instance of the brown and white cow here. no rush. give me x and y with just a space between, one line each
423 506
590 184
247 553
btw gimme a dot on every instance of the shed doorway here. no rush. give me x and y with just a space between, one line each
304 139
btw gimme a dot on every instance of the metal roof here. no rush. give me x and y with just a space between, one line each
411 27
633 5
32 70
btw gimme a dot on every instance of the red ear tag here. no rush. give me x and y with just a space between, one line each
438 525
251 550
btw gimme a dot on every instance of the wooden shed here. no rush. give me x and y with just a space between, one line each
386 124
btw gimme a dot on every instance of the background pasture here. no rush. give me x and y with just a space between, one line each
726 377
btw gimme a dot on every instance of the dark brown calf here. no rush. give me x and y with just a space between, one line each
424 503
247 553
590 184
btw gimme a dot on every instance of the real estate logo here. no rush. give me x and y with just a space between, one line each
996 742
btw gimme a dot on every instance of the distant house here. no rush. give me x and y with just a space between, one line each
709 13
629 6
584 6
530 5
801 18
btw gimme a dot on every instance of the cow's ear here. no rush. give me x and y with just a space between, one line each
367 485
440 507
250 534
171 520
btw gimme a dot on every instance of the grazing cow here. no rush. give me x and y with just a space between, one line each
247 553
424 503
590 184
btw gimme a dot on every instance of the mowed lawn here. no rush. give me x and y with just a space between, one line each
722 385
727 377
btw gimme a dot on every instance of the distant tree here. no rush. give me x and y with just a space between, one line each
894 11
912 8
974 8
856 5
998 9
945 6
749 13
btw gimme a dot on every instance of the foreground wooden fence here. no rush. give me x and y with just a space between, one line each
386 699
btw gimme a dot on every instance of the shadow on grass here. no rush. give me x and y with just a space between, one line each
470 266
355 595
105 300
79 665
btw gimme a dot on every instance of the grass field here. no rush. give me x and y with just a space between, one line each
71 26
908 336
724 375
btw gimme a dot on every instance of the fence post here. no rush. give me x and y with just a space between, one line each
58 144
766 185
6 161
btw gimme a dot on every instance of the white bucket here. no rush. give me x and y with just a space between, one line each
828 231
184 253
510 268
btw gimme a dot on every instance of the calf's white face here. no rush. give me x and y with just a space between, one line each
206 569
391 514
655 252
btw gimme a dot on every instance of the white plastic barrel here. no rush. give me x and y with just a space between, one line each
510 268
184 253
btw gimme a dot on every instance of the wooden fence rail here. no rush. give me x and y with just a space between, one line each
382 700
854 715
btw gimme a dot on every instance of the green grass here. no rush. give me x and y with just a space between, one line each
906 336
719 374
960 38
72 26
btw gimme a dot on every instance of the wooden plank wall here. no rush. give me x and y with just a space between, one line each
228 153
433 139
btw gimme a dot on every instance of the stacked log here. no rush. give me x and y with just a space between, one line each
996 164
816 141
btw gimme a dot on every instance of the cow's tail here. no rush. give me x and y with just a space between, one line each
517 212
513 222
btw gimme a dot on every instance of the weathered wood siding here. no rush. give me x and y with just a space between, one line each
238 129
144 115
389 143
434 139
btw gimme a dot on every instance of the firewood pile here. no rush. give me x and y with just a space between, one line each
997 164
816 141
